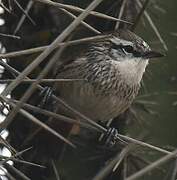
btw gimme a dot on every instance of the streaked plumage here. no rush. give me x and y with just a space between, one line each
112 68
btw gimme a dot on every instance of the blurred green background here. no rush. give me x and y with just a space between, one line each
161 76
161 82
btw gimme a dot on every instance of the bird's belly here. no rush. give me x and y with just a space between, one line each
93 105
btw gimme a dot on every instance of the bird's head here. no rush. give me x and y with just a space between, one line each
125 45
130 54
126 51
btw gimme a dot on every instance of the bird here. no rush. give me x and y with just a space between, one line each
111 68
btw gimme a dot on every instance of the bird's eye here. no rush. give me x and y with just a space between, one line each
128 49
124 48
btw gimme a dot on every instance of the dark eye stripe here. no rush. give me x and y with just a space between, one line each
137 54
115 46
127 49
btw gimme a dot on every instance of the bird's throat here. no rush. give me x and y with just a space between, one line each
132 70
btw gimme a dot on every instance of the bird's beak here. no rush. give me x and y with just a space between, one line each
152 54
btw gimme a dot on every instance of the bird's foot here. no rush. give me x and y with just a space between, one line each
46 97
111 137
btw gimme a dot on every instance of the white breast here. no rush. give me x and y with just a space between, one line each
131 70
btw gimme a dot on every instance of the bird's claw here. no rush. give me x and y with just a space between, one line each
111 137
46 96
